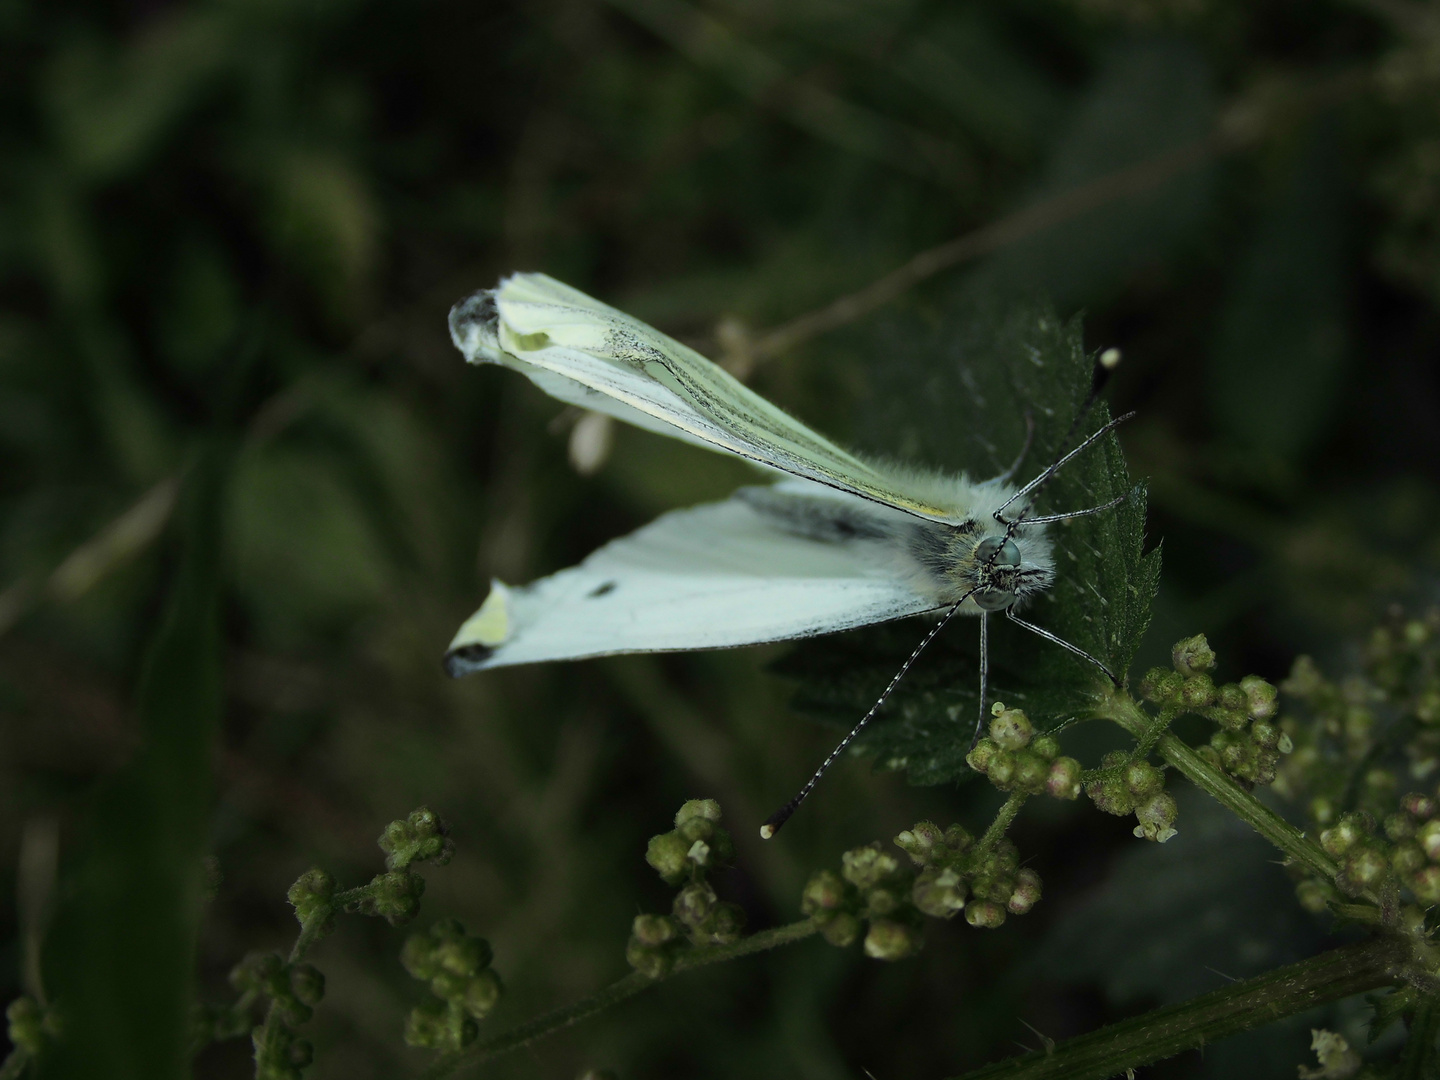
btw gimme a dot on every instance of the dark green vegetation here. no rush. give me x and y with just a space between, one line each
248 490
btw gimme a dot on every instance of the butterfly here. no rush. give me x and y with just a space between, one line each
832 543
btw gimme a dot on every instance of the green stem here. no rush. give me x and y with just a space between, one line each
1162 1033
1122 709
1001 824
547 1024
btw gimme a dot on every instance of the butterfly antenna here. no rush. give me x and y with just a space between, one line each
775 820
1105 363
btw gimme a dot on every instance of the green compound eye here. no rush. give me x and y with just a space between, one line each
1003 552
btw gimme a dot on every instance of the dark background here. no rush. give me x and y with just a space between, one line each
231 231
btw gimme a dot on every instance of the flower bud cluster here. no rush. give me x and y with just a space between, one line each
421 837
877 893
1125 787
1013 758
294 990
457 967
1250 739
1382 841
698 916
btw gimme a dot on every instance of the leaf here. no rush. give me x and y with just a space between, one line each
121 955
953 392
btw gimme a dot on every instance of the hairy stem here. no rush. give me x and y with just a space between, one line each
1189 1025
547 1024
1003 817
1123 710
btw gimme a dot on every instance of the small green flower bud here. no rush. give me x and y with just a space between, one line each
1193 655
868 866
1110 794
300 1055
1418 805
1156 817
1322 811
666 854
920 842
652 962
307 983
984 913
1210 756
1004 858
891 940
420 837
881 901
938 893
983 753
437 1026
1143 779
654 930
1406 857
311 894
1047 746
957 838
1031 772
994 887
1428 837
843 929
694 903
1011 729
482 993
695 830
1002 769
1399 826
1315 896
704 809
1230 697
1366 866
1344 835
1425 884
1265 733
1063 781
825 891
262 972
1161 687
394 896
1262 699
725 925
1198 692
1026 893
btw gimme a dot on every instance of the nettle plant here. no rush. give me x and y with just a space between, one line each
1341 752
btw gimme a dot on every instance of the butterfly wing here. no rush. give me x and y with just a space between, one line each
708 577
589 354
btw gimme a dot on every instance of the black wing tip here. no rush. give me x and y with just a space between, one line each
478 307
466 660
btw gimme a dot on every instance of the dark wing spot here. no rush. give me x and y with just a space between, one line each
466 660
601 590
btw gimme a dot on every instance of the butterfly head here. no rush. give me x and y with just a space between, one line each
1004 569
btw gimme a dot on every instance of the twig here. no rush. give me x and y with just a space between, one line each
632 984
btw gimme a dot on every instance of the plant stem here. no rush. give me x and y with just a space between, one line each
533 1030
1123 710
1003 817
1189 1025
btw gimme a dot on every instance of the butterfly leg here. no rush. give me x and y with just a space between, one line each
1074 650
984 676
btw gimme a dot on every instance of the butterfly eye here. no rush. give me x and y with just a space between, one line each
998 552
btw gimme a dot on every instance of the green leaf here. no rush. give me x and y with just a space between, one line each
120 958
953 391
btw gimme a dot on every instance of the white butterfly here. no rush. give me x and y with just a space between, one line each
837 542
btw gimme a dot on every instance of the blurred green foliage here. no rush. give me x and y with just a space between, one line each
248 218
